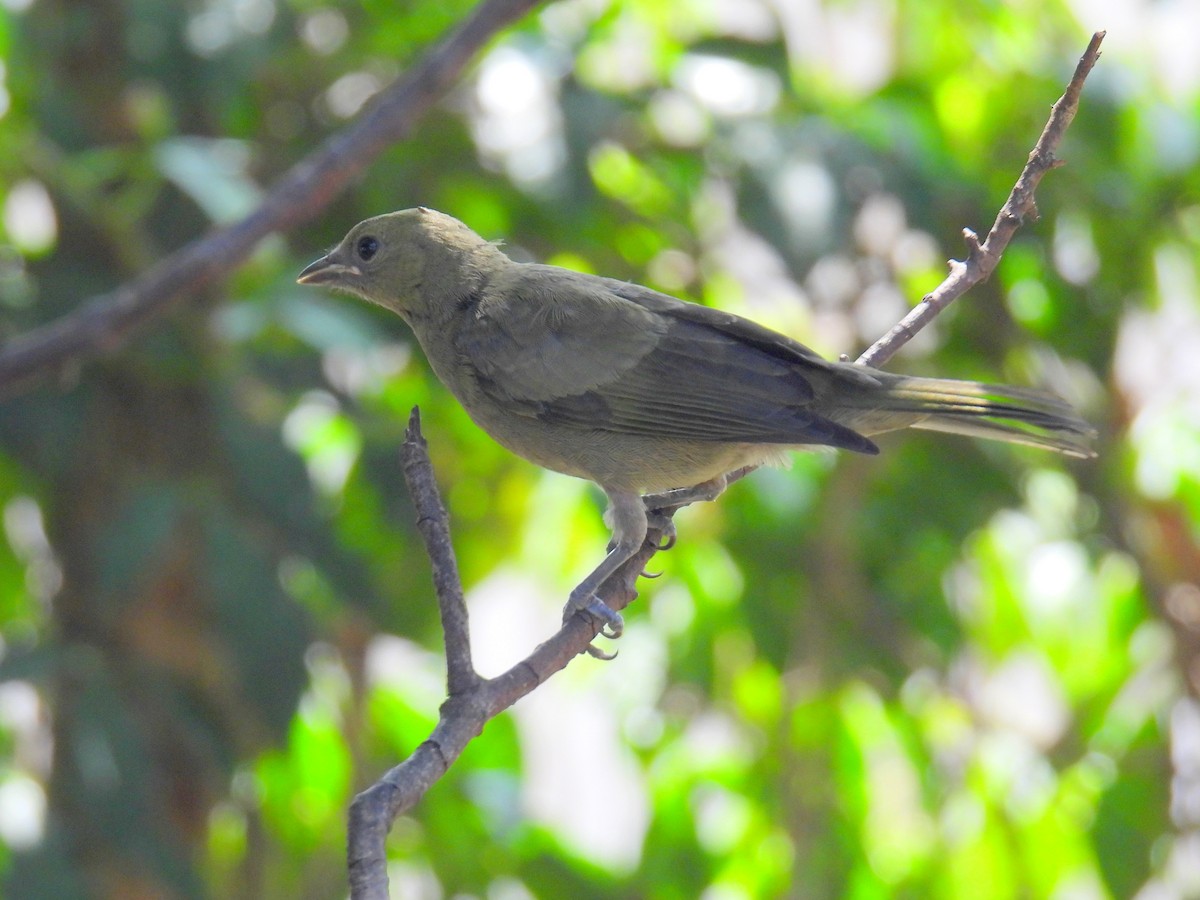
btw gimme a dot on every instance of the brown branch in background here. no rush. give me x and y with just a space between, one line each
982 258
104 322
472 700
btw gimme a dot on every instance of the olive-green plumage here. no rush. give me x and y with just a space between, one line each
635 390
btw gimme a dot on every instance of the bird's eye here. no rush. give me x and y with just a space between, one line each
367 247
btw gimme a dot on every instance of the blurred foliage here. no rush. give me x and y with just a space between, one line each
956 670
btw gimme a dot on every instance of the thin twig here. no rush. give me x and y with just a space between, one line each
982 258
105 322
434 525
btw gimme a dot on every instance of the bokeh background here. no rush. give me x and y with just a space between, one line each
955 670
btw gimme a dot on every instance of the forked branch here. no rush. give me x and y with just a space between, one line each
472 700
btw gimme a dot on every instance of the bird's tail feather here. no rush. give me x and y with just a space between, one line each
999 412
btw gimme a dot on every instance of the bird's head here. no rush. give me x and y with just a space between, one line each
404 261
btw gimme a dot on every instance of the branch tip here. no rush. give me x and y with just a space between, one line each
412 433
983 257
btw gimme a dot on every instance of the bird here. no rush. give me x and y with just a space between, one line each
655 399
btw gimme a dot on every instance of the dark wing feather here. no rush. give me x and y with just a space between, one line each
744 331
594 353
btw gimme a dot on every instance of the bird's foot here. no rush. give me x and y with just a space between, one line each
612 623
656 520
665 526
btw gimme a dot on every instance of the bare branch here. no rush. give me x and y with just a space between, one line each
982 258
105 322
473 701
434 525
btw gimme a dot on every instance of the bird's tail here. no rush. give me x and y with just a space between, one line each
998 412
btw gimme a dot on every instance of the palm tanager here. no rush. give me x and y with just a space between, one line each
654 399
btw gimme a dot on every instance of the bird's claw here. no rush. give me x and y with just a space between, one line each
612 623
663 523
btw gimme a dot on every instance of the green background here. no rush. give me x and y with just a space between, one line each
955 670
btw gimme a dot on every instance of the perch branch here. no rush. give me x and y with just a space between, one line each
477 700
473 701
105 322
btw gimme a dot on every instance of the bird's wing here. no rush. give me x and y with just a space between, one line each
744 331
600 354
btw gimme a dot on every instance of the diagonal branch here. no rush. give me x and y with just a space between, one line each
473 701
105 322
982 258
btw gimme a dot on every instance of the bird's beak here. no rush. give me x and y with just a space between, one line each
327 269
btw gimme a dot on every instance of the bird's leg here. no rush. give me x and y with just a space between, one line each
630 517
627 516
656 503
